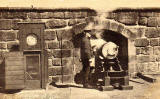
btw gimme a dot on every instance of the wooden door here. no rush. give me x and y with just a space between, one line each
14 70
32 71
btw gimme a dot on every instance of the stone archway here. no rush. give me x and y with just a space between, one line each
121 29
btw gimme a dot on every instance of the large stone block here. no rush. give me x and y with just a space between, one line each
154 41
61 53
141 67
67 70
34 15
156 50
49 62
44 15
143 42
53 71
153 67
57 15
15 24
146 14
142 58
138 50
68 15
53 45
67 61
67 45
138 31
142 21
72 22
78 28
5 24
13 15
80 14
3 45
114 26
56 23
152 32
64 79
152 21
56 79
66 53
81 21
8 35
152 58
50 35
129 18
68 79
64 34
56 61
13 45
147 50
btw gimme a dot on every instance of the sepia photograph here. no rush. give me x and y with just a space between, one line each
79 49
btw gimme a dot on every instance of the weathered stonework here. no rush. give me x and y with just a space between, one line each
140 27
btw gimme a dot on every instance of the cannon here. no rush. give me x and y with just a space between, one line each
108 73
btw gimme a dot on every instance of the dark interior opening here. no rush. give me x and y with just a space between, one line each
122 42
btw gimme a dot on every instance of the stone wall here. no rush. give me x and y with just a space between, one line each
144 23
140 26
58 35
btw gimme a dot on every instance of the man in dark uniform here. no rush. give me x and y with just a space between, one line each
86 55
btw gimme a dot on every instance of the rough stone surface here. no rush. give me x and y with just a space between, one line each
67 70
152 21
152 58
67 62
3 45
138 50
152 32
141 67
142 21
142 58
64 34
154 41
146 14
143 42
8 35
56 61
58 15
157 50
56 23
153 67
49 62
61 53
13 45
34 15
68 15
78 28
53 45
5 24
114 26
147 50
129 18
15 24
13 15
72 22
138 31
81 21
53 71
67 45
50 35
